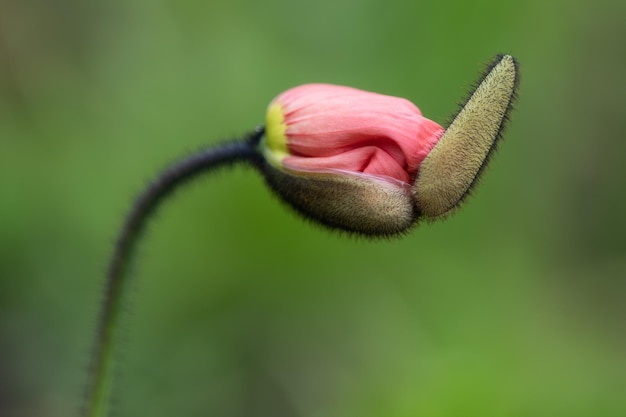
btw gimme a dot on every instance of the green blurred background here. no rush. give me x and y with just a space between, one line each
513 307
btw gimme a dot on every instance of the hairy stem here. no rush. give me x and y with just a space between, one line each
100 378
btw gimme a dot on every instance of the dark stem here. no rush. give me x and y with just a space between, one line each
100 377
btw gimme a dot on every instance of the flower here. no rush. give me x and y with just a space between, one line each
371 164
323 127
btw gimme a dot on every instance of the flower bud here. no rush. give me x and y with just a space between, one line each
372 164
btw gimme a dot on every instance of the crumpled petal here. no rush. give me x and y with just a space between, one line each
331 127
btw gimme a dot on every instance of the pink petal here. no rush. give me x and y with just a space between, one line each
335 127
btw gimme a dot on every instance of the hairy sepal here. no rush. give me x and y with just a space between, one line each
452 168
356 203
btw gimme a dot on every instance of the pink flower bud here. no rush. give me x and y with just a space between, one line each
372 164
323 127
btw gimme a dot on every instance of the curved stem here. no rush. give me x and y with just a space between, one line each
101 375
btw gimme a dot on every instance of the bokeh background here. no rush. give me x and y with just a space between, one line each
513 307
